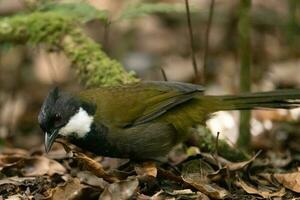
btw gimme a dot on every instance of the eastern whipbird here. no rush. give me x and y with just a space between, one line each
142 120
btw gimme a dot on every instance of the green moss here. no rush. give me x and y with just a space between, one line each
208 143
36 28
58 31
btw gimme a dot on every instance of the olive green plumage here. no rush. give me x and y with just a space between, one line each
154 116
142 120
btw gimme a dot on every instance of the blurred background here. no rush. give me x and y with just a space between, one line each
149 42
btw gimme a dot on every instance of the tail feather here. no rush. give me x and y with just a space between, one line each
286 99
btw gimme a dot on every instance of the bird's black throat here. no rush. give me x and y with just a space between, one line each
96 141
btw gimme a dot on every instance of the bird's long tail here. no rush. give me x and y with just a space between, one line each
286 99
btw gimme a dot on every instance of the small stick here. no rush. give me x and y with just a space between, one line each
217 144
206 39
106 35
164 74
217 151
188 16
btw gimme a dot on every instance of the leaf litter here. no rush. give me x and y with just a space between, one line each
271 174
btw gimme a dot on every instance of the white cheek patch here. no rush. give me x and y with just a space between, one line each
79 124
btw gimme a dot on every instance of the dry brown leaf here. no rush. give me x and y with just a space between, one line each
218 175
92 165
95 167
15 180
31 166
214 159
14 152
15 197
195 173
175 194
230 166
39 165
70 190
181 192
146 169
264 179
240 165
120 191
6 160
89 178
210 189
261 192
289 180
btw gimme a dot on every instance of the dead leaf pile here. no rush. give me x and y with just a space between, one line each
32 175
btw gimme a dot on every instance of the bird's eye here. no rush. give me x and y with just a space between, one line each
57 117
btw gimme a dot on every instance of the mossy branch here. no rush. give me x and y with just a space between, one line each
58 31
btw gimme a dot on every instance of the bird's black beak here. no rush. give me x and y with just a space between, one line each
49 139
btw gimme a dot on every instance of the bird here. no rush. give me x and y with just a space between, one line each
144 120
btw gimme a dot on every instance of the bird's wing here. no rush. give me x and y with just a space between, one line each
152 111
132 105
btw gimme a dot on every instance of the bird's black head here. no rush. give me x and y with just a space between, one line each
63 114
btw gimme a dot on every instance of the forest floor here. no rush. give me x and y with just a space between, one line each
271 173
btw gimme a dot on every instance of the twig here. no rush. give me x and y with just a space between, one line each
106 35
163 72
188 17
244 29
206 39
216 154
217 144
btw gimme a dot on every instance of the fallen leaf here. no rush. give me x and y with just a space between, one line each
289 180
146 169
39 165
196 172
181 192
197 166
15 197
89 178
72 190
14 152
188 193
7 160
176 194
214 159
230 167
120 190
69 190
30 166
240 165
95 167
261 192
15 180
210 189
264 179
